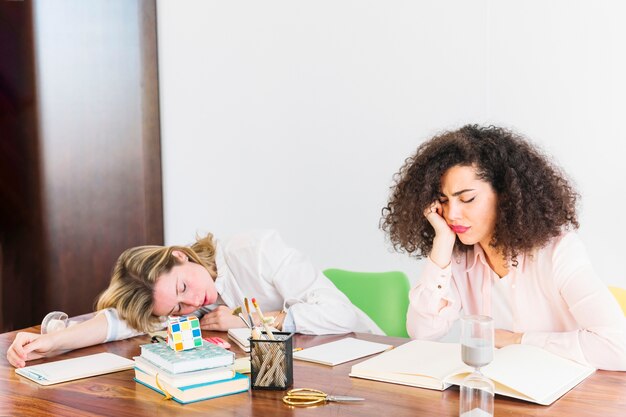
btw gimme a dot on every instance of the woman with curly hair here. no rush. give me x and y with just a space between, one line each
495 218
208 279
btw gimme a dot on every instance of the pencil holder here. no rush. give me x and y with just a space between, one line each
271 361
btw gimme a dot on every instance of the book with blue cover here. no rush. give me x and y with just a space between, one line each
198 392
203 357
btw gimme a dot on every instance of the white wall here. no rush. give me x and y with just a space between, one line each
295 115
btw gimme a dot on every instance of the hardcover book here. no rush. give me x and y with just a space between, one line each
239 383
185 378
520 371
203 357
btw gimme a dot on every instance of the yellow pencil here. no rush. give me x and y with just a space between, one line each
260 313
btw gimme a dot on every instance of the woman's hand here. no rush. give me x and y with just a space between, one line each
29 346
220 319
434 215
443 243
504 338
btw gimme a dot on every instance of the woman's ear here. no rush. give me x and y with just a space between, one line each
180 256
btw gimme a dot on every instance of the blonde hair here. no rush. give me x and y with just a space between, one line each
136 271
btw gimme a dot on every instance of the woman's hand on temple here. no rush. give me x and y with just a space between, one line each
443 243
434 215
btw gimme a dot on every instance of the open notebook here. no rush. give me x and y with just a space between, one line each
75 368
519 371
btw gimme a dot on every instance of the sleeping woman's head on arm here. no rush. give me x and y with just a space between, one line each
149 282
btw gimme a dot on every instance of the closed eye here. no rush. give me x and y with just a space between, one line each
468 201
180 307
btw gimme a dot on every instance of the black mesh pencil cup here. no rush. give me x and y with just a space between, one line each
271 361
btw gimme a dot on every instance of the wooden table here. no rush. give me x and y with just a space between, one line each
603 394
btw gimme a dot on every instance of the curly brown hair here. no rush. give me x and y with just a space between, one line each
535 200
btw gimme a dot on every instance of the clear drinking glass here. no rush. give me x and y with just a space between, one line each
477 391
55 321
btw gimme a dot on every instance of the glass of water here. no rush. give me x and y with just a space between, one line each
477 391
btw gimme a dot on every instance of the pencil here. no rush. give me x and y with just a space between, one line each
263 322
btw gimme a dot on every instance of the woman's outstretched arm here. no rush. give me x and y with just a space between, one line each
29 346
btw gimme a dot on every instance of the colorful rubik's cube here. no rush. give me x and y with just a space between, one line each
183 333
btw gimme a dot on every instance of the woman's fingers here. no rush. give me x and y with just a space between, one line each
435 216
22 349
219 319
434 208
14 358
504 338
431 209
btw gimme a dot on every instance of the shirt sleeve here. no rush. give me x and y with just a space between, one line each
600 340
313 304
117 328
433 303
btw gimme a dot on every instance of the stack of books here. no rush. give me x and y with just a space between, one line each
189 375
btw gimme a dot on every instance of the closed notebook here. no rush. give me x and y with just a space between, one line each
519 371
199 392
240 336
184 378
75 368
340 351
203 357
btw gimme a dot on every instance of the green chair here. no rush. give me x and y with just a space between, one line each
383 296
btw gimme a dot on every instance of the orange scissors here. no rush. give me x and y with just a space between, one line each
305 397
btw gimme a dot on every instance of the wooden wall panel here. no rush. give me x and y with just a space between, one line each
21 232
98 146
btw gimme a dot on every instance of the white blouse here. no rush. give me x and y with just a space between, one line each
258 264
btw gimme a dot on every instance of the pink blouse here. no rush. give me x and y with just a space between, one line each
559 303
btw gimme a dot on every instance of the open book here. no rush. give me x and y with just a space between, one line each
519 371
